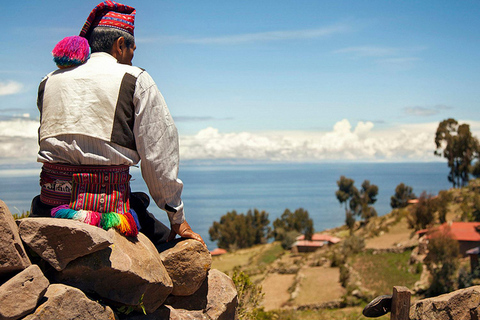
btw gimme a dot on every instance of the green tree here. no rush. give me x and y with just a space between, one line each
364 199
239 230
423 214
443 200
298 221
403 193
442 262
457 144
357 202
475 169
345 193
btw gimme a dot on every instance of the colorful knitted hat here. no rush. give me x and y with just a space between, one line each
110 14
71 51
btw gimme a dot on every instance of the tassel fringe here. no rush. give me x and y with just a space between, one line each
124 223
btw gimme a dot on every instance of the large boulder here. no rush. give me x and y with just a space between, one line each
129 272
12 255
68 303
19 295
462 304
187 262
59 241
217 298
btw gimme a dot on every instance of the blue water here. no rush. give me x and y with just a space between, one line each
210 191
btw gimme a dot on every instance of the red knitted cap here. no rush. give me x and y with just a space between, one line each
110 14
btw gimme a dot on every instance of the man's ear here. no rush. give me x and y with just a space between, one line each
121 43
118 47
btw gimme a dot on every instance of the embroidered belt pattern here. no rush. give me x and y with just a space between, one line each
97 195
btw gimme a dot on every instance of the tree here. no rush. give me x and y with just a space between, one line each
345 193
357 202
456 143
423 214
475 169
240 230
298 221
403 193
442 262
363 200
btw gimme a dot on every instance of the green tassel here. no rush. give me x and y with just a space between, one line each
110 220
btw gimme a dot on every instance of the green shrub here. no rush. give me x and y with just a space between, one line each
249 296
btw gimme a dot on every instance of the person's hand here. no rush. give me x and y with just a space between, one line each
184 231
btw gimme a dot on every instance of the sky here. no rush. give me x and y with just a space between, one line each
283 81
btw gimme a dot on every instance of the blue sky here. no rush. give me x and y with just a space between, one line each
272 80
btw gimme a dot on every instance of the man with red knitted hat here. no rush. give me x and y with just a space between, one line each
97 120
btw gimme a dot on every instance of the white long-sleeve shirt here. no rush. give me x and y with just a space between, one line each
106 113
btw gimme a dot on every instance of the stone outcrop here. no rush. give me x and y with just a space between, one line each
19 295
187 262
215 299
100 274
13 257
59 241
217 296
64 302
462 304
127 273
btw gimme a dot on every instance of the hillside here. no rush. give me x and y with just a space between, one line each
309 285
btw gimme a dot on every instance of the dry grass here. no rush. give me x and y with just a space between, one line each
398 234
275 287
318 285
240 258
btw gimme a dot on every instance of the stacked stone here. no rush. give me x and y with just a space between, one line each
64 269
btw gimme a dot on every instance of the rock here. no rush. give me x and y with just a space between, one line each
129 272
217 297
19 295
12 256
168 313
59 241
462 304
187 262
64 302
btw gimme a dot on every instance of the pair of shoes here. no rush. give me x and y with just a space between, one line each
378 307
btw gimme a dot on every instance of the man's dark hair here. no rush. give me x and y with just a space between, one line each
102 38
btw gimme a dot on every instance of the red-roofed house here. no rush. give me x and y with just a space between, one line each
318 241
464 232
325 238
218 252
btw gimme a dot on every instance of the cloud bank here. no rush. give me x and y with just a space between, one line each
344 142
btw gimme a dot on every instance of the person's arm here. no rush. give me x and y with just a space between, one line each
156 140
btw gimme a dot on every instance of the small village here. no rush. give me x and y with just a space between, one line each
332 275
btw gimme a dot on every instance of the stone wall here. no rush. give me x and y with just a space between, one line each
64 269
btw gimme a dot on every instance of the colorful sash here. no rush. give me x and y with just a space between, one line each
97 195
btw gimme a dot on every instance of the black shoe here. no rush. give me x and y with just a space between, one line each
378 307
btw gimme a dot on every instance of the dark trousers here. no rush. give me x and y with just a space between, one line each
155 230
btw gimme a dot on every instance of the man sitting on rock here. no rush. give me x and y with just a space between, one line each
97 120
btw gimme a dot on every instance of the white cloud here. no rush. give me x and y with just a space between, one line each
369 51
18 141
256 37
363 143
10 87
